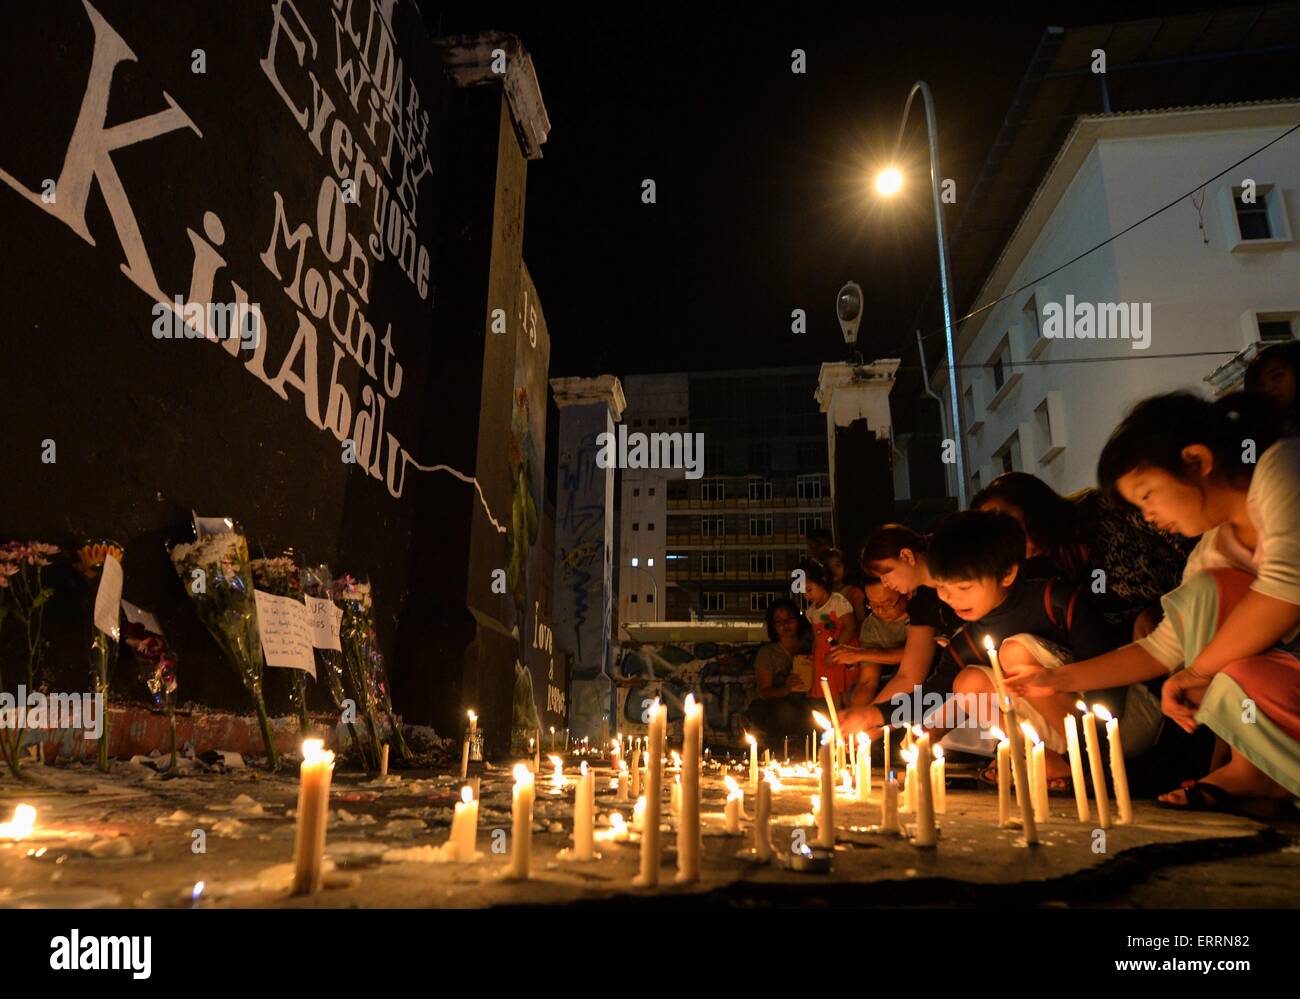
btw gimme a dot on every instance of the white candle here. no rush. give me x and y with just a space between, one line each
313 814
909 781
889 774
615 753
584 815
753 761
1037 764
688 828
638 814
826 816
521 811
383 760
889 805
1017 750
864 766
636 772
622 794
762 820
536 745
464 826
1004 778
735 801
675 797
1118 772
1094 762
835 718
557 774
1076 768
650 855
469 738
926 834
939 781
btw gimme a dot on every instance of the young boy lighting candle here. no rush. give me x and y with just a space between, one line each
974 558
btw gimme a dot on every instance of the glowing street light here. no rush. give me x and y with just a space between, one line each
889 181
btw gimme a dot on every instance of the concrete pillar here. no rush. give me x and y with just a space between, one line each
584 546
855 399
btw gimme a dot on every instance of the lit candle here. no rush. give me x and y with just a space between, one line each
521 811
888 739
584 814
675 796
909 781
835 718
926 835
1004 777
1118 772
464 826
1017 749
313 813
636 771
889 805
735 800
650 856
552 738
753 761
688 828
1076 768
1093 745
826 817
469 738
1034 750
864 766
615 754
939 781
557 775
762 820
622 794
638 814
21 825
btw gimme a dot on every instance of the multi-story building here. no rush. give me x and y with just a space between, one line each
722 545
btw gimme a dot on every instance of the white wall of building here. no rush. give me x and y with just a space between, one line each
1204 296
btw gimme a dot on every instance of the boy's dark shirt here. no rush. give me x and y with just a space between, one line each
1073 622
925 609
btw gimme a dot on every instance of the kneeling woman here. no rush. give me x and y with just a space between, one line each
1190 465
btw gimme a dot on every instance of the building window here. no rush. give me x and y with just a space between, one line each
711 490
636 526
760 601
1273 327
760 489
711 565
1252 216
711 527
652 490
633 598
715 601
760 526
649 598
636 492
650 526
1032 329
808 522
809 487
1000 369
761 563
1007 457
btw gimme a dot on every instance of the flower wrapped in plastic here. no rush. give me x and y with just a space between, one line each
281 577
364 661
157 666
103 646
23 596
216 574
316 582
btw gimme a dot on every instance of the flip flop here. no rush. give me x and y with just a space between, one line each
1060 787
989 775
1201 797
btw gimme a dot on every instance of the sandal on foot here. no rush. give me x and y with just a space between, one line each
1060 787
1201 797
989 775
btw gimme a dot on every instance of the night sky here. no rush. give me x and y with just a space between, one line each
762 203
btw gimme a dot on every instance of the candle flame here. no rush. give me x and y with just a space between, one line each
988 642
312 749
21 826
583 768
733 789
863 740
938 752
998 734
618 823
816 804
1081 706
1100 711
677 759
822 721
1030 733
523 776
750 739
909 756
197 892
467 794
472 716
918 731
622 766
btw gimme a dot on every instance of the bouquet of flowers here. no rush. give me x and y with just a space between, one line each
316 582
216 574
103 646
280 576
157 667
23 594
363 659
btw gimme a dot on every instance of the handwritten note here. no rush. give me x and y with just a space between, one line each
286 632
108 599
326 617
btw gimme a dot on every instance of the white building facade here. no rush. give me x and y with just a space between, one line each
1183 300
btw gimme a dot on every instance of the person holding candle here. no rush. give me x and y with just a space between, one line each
1230 636
975 558
780 705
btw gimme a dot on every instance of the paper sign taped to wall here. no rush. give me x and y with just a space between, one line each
286 632
326 617
108 600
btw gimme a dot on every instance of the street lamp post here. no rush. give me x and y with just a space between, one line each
888 183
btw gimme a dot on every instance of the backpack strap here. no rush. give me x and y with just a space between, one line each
979 653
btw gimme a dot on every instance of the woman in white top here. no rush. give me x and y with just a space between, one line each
1228 639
